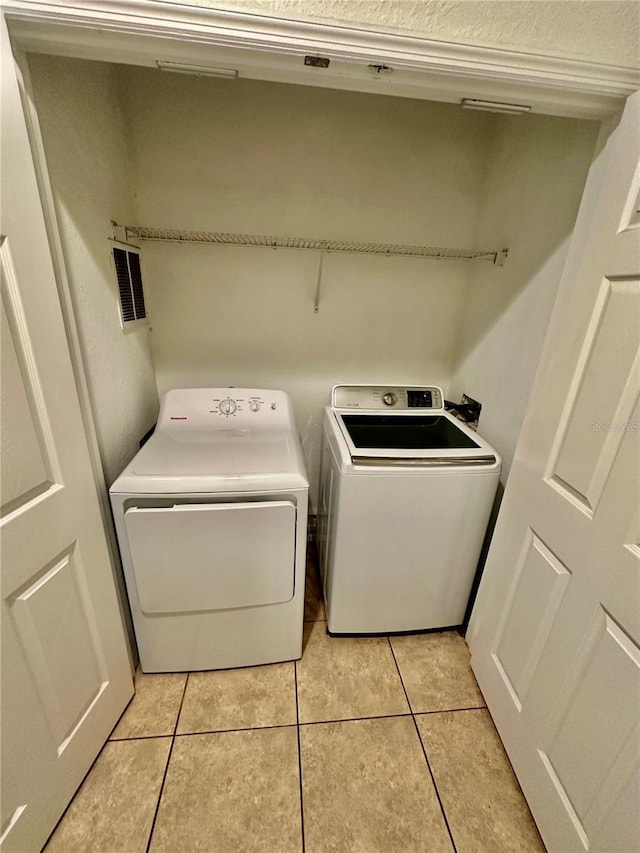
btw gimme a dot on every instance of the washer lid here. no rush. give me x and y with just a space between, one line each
212 461
412 439
405 432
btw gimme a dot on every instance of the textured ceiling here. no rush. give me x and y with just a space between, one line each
604 31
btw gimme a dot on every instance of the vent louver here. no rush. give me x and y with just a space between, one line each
130 290
136 285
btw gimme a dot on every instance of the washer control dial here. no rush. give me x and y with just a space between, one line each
390 399
254 405
227 406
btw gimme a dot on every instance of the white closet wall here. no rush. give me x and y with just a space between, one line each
254 157
90 172
273 159
537 170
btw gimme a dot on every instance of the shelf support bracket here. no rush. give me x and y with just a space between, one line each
316 301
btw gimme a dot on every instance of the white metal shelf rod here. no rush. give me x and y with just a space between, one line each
342 246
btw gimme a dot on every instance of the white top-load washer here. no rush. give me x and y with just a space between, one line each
211 518
405 496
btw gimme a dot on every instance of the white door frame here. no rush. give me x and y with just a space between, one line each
273 49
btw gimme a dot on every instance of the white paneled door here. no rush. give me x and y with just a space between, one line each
555 631
65 669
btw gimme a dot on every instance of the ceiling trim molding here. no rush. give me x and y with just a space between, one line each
35 20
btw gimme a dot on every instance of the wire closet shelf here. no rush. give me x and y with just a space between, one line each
348 246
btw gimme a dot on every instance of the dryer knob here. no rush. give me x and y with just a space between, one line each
390 399
228 406
254 405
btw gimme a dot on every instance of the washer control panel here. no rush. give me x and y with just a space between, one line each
235 408
389 397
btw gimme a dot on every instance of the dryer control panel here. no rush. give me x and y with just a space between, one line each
225 408
385 397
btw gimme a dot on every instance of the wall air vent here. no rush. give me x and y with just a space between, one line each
126 262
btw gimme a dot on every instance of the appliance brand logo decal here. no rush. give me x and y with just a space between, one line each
178 418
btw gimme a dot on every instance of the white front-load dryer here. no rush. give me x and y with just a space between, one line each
211 518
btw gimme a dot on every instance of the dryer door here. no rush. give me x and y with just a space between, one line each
199 557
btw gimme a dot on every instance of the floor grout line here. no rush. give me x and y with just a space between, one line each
354 719
166 767
451 710
298 723
424 751
295 677
139 737
242 729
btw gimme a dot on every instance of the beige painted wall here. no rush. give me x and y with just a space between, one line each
534 185
606 31
89 167
250 156
254 157
259 157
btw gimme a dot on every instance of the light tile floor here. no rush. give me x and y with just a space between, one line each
378 745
